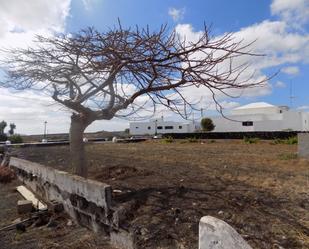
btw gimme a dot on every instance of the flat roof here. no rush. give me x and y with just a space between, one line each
255 105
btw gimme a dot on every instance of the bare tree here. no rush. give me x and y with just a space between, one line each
101 75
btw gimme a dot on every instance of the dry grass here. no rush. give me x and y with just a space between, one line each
260 188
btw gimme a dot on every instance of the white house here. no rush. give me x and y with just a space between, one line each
262 116
160 126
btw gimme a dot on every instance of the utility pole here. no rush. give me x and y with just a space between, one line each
156 127
45 124
292 97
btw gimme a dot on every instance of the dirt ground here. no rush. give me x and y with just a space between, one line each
261 189
38 236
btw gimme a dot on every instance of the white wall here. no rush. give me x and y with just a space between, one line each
293 120
222 124
150 128
305 121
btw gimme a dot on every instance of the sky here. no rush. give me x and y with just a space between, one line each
280 29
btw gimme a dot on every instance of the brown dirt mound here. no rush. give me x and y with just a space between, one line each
6 174
119 173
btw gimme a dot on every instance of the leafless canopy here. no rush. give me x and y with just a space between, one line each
103 75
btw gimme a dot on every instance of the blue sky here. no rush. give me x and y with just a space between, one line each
281 28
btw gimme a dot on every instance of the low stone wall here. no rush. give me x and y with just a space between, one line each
87 201
303 145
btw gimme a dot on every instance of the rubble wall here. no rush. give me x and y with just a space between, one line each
87 201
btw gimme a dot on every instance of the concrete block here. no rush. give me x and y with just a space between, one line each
303 145
24 206
55 206
216 234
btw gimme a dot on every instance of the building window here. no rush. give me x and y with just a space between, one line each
247 123
149 127
180 127
159 127
169 127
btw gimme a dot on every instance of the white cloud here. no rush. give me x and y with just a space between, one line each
20 21
275 39
280 84
303 108
291 70
277 42
294 11
186 31
176 14
28 110
33 15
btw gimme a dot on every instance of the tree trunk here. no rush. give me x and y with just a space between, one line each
77 150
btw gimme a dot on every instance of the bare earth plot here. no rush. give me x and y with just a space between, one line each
260 189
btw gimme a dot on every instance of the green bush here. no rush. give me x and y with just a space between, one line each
192 140
3 137
168 140
16 139
290 140
251 140
207 124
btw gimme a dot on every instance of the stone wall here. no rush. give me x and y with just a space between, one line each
87 201
303 145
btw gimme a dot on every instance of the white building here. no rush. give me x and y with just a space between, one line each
160 126
262 116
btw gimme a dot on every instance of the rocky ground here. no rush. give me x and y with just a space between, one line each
261 189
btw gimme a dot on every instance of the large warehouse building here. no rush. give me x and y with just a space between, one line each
262 116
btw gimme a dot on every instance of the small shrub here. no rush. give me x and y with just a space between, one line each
168 140
251 140
207 124
6 174
289 156
212 141
16 139
290 140
3 137
192 140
